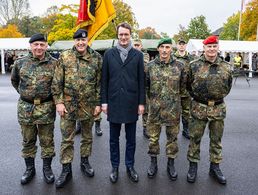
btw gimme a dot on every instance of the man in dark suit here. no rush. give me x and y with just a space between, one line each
123 97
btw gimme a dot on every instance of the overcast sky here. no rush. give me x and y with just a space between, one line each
164 15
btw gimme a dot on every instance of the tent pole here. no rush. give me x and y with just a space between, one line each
2 61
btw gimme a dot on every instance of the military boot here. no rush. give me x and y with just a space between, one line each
86 168
185 132
30 171
192 172
217 174
145 133
98 129
47 171
78 128
171 169
152 170
65 176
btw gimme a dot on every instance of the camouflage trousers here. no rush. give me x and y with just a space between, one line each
185 104
197 128
45 132
154 131
97 118
145 114
67 148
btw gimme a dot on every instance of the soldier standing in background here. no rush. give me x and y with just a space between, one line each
137 44
209 81
76 92
32 78
183 56
166 78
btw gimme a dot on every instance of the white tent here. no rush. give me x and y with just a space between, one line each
12 44
248 47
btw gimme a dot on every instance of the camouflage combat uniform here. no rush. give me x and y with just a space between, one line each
146 57
76 84
208 83
164 85
185 97
32 79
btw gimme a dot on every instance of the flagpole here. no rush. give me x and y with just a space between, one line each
240 19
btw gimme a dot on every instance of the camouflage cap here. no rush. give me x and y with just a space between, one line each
181 40
164 41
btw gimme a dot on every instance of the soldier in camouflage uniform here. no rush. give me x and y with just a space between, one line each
209 81
137 44
166 78
76 92
183 56
32 78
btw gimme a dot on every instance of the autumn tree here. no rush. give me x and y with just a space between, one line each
230 28
124 13
198 28
250 21
148 33
65 24
183 33
11 31
13 10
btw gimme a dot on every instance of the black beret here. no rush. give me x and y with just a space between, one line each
37 37
80 33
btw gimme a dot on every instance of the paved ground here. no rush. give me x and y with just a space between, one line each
239 165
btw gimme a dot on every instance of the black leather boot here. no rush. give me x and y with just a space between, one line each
217 174
114 175
185 132
30 171
152 170
86 168
132 174
47 171
192 172
78 128
145 133
171 169
98 129
65 176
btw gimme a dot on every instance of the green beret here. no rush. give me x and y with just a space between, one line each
164 41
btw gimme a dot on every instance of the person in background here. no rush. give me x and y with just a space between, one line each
137 44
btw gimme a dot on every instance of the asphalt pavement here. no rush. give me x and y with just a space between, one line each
240 156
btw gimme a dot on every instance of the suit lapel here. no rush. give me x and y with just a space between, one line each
131 54
117 56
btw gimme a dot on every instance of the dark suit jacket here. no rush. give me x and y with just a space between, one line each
122 85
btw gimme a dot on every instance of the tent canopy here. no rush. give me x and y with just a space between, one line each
101 45
225 46
14 43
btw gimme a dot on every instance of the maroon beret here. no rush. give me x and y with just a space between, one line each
211 40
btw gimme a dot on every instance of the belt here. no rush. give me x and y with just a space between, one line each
37 101
209 102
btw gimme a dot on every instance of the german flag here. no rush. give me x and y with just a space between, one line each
94 16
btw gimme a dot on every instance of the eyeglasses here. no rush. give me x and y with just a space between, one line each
137 45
